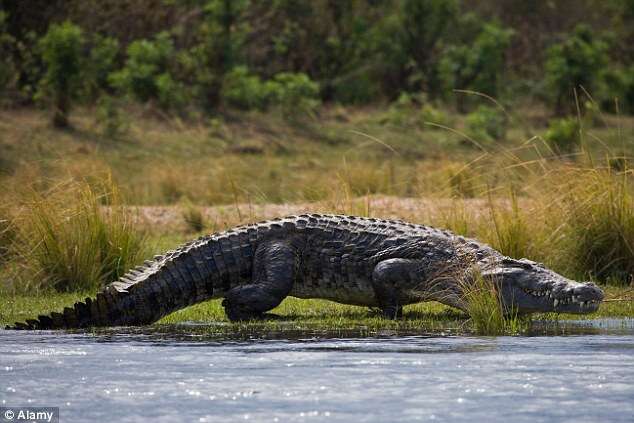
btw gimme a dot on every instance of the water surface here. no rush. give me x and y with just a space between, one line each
585 373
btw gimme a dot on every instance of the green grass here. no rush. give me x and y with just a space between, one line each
18 307
253 157
297 316
487 314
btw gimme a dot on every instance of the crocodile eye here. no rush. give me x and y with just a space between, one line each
522 264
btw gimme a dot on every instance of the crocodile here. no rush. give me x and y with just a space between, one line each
371 262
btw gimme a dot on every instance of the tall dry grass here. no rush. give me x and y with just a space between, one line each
578 219
508 229
7 230
67 240
594 208
194 218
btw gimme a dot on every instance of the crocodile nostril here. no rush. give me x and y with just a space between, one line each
589 291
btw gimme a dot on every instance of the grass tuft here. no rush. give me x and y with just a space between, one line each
194 218
67 240
7 233
563 136
508 229
488 316
600 225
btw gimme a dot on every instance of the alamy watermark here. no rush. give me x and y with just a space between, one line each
29 414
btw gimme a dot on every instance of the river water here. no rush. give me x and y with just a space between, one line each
575 372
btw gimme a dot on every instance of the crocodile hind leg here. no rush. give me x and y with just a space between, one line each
391 279
274 270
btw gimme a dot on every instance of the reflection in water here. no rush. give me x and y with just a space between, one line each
184 373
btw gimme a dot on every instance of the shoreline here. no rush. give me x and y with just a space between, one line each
313 316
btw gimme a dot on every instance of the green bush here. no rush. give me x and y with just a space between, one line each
431 114
563 135
358 88
111 117
61 50
7 65
246 91
423 25
403 110
294 93
476 65
99 65
218 51
146 75
415 110
619 90
576 62
487 124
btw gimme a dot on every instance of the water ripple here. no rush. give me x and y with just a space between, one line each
140 375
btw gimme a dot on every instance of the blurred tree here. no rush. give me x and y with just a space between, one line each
332 41
358 51
244 90
61 50
344 54
619 86
619 29
146 75
476 65
221 39
26 22
99 64
295 93
486 124
575 63
423 25
8 69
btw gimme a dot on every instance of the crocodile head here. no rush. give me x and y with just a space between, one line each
528 287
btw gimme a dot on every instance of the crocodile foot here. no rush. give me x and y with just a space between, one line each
248 302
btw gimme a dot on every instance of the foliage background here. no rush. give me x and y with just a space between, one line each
210 54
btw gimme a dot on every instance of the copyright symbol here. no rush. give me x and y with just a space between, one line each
8 414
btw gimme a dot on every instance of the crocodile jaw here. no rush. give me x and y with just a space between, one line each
528 287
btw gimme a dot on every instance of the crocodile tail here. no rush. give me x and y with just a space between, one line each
144 294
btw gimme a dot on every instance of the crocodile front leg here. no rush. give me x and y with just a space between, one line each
391 279
274 270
